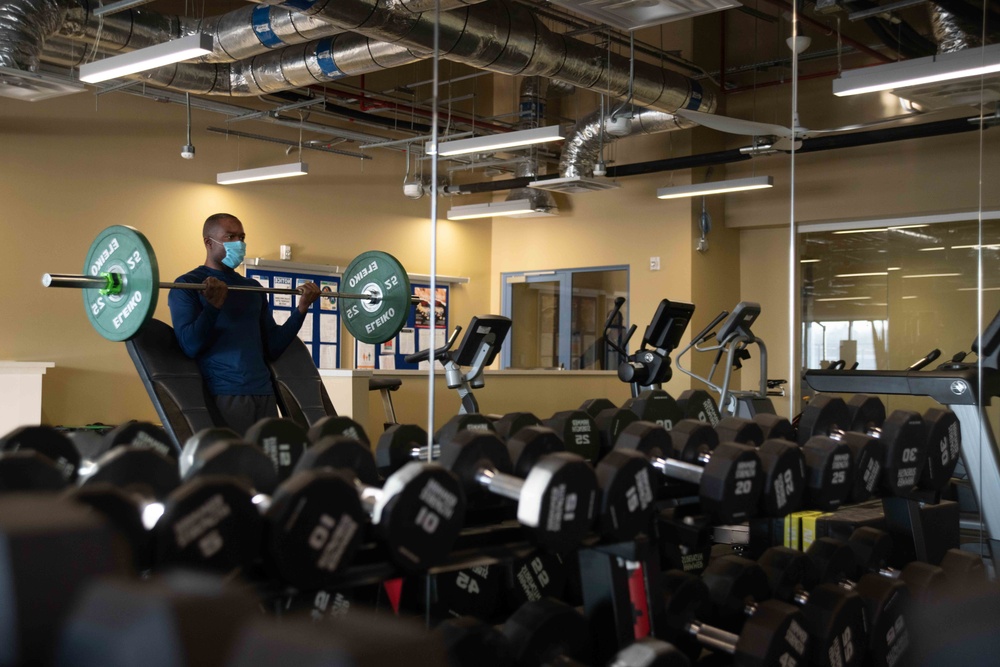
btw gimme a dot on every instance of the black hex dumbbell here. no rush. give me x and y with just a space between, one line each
782 463
338 425
315 519
773 635
728 478
609 420
283 440
887 596
626 497
578 432
699 404
554 502
890 452
833 616
207 523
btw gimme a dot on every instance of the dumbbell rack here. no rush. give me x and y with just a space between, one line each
964 390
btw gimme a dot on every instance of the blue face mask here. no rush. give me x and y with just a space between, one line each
235 252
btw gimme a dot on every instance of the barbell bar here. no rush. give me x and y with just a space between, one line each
120 286
111 283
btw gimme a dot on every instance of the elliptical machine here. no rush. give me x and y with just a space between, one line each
649 366
478 349
732 340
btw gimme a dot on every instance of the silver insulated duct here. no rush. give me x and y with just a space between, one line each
508 38
582 150
534 90
949 33
24 27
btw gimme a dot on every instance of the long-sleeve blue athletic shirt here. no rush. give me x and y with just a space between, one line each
230 344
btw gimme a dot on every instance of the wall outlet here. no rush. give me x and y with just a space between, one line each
654 263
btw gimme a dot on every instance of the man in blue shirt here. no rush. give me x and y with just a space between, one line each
232 335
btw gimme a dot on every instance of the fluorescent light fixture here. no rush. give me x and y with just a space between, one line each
878 229
917 71
846 298
975 247
909 297
808 261
894 268
262 173
513 207
933 275
941 247
976 289
861 275
715 187
140 60
495 142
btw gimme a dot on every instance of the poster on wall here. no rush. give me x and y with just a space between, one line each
415 335
321 327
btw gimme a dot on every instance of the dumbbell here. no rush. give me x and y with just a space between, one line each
773 635
578 432
54 445
832 616
546 632
891 448
782 463
609 420
206 523
657 406
141 434
50 549
509 424
28 470
314 520
871 549
283 440
555 502
728 479
464 422
337 425
699 404
886 596
119 621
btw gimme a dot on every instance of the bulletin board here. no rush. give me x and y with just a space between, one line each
321 328
416 335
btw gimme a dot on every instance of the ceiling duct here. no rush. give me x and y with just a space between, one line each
632 14
532 113
582 149
952 35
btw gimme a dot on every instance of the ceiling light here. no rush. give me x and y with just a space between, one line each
916 71
976 289
846 298
878 229
893 268
930 249
976 247
262 173
715 187
933 275
140 60
495 142
491 209
861 275
808 261
909 297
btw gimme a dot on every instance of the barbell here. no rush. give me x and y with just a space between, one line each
121 283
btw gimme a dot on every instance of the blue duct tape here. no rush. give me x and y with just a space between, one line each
697 92
261 20
324 57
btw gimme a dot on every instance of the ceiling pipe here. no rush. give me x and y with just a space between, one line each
814 145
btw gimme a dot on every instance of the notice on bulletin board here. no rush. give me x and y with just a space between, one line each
415 336
320 329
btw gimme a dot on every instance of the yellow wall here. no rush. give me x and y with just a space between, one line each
75 165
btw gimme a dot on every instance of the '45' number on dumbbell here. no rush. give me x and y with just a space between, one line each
121 283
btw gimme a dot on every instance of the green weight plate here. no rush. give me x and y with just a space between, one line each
378 273
124 250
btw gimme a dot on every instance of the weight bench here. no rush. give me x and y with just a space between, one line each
300 392
173 382
298 386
